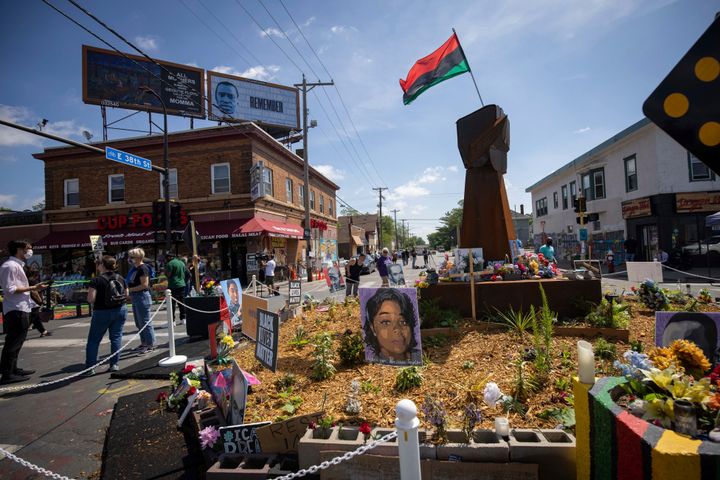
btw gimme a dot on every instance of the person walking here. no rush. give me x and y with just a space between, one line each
352 280
414 256
17 306
139 289
270 275
548 250
175 273
108 293
630 246
425 257
405 257
37 301
383 264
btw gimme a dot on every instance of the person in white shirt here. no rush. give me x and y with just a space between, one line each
270 275
17 306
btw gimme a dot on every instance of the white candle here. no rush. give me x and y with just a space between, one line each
586 362
502 427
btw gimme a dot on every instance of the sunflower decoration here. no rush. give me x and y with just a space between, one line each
684 355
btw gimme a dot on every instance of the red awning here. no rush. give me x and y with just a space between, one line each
81 238
259 226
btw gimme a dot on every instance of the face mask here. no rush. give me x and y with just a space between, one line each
28 254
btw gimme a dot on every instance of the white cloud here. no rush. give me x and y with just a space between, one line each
147 42
271 31
192 64
330 172
7 201
410 189
342 29
308 22
582 130
258 72
10 137
452 168
432 175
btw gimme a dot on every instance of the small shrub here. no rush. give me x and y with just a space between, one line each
605 350
300 339
323 367
290 402
367 386
609 315
285 382
468 365
408 378
563 384
566 358
516 321
523 386
636 346
435 341
433 316
352 349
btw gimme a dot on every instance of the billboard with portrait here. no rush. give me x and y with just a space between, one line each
241 99
391 326
112 80
233 297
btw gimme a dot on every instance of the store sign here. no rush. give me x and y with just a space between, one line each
257 188
319 224
640 207
697 202
116 222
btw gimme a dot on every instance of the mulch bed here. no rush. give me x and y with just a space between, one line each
492 352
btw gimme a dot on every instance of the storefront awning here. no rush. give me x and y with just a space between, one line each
216 230
358 241
259 226
81 238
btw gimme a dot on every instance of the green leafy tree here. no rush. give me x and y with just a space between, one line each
446 235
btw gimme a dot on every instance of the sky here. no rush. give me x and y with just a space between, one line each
568 73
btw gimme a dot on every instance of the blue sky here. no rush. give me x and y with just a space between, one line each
568 73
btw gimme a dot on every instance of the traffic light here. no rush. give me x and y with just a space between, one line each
590 217
686 102
159 214
175 215
580 205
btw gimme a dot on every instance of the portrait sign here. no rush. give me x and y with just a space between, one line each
112 80
699 327
238 396
335 281
391 326
462 260
396 275
283 437
266 340
295 292
238 99
250 306
241 438
232 291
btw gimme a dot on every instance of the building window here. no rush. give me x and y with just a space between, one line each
541 207
555 200
322 204
593 184
631 182
564 197
173 185
72 192
699 172
289 190
268 181
301 194
312 200
116 188
220 178
330 207
573 192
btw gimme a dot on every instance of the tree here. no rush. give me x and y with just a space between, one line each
347 210
446 235
388 232
38 206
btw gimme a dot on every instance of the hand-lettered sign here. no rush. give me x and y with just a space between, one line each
294 292
250 305
241 438
266 338
283 437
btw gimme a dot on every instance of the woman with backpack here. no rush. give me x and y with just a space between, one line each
139 288
108 294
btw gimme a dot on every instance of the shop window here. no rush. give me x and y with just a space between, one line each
289 190
593 184
564 197
322 204
173 185
72 192
541 207
301 194
116 188
573 192
220 178
699 172
555 200
312 200
268 181
631 181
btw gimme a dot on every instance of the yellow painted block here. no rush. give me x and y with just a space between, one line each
676 456
581 392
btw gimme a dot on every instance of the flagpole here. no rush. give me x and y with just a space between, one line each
469 69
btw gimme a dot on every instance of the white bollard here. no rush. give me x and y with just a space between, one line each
254 284
172 359
407 424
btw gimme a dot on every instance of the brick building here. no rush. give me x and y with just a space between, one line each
236 216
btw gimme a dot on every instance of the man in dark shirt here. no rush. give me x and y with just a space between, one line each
353 277
175 273
630 247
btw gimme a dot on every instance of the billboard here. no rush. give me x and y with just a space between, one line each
240 99
112 80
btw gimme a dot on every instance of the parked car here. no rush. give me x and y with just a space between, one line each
713 243
369 266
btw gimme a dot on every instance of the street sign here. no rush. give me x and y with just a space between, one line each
127 158
583 234
306 233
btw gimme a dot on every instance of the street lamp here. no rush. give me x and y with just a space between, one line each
166 175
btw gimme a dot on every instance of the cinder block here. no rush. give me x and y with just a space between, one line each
249 466
337 439
485 446
552 450
390 449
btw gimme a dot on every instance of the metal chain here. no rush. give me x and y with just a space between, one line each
77 374
33 467
199 311
340 459
692 274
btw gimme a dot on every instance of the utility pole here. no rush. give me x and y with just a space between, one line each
306 166
397 245
380 190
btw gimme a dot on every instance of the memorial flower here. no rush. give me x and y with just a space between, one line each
228 341
208 436
635 363
660 411
492 394
188 368
365 429
684 355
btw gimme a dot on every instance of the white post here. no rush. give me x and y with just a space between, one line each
254 285
408 444
172 359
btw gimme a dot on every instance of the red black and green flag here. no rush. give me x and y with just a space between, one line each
446 62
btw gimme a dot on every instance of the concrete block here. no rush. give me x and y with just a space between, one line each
231 466
337 439
552 450
484 446
390 449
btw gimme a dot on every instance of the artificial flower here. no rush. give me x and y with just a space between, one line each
660 410
635 363
162 397
208 436
685 388
192 390
188 368
690 355
228 341
312 426
715 375
492 394
714 402
365 428
661 378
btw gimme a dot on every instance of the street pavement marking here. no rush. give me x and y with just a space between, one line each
10 448
130 385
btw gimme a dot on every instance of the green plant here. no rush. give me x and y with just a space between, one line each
426 360
323 367
285 382
563 384
511 404
609 314
435 414
290 402
636 346
352 348
542 327
522 385
566 358
367 386
408 378
563 415
300 339
516 321
472 416
435 341
468 365
605 350
434 316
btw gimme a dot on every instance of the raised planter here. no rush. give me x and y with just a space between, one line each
484 446
620 334
390 449
254 465
552 450
431 332
197 321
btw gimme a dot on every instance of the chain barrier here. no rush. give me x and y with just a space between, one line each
692 274
340 459
175 300
33 467
77 374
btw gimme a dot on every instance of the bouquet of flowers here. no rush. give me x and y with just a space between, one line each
208 286
651 295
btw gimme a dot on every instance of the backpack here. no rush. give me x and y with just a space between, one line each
151 271
114 292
